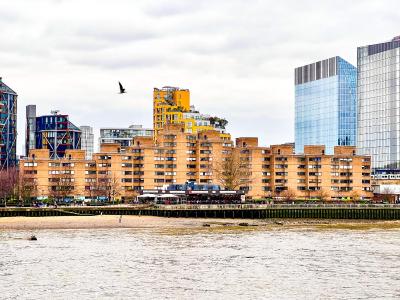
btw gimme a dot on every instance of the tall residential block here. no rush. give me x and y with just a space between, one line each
30 130
171 105
378 132
54 132
8 126
87 141
325 104
179 157
123 136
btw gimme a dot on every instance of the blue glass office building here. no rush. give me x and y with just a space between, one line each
326 104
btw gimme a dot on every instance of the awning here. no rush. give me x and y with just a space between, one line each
148 196
168 196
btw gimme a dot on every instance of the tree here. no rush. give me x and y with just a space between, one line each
322 195
92 188
232 172
61 185
8 184
387 192
288 195
114 187
355 196
27 188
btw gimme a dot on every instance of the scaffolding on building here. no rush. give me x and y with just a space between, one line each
56 133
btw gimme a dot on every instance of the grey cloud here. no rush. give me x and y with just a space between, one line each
173 8
7 16
117 34
115 62
236 56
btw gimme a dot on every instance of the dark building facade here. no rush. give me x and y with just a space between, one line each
54 132
8 126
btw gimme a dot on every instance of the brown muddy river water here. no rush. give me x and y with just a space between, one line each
152 263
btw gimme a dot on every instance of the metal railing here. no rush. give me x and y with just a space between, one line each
264 206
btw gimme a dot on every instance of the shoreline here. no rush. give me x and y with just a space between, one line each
147 222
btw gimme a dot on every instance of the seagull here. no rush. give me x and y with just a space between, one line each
121 88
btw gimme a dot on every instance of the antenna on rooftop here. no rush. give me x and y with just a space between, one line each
55 112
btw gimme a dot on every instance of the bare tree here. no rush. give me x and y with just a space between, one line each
27 188
355 196
92 188
62 185
386 194
322 195
232 172
288 195
114 187
8 185
102 184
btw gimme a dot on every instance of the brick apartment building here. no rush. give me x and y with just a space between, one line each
178 157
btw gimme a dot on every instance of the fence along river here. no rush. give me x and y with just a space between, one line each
216 211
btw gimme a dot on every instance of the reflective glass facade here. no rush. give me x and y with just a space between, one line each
87 140
378 88
325 104
8 126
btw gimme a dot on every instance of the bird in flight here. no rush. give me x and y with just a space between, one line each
121 88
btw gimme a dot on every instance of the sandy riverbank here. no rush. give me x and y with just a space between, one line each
87 222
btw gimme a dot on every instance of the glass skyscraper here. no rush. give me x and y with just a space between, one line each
378 88
325 104
87 141
8 126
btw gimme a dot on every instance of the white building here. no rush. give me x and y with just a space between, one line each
123 136
87 140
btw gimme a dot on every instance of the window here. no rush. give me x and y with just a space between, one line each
104 157
105 165
30 172
281 166
280 180
316 159
281 173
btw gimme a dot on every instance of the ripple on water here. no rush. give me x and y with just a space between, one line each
154 263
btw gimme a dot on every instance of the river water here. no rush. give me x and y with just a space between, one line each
171 264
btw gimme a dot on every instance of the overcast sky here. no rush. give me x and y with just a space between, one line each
236 57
